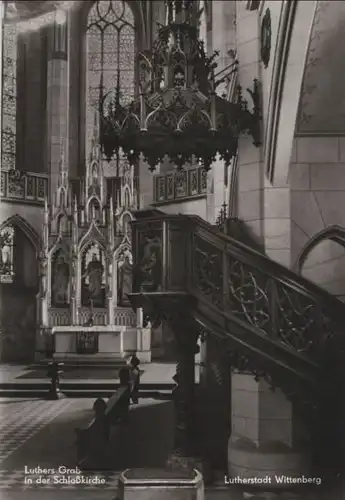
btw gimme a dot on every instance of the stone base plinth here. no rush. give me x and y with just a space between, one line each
267 467
160 484
268 440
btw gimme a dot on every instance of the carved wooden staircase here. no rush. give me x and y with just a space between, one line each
277 324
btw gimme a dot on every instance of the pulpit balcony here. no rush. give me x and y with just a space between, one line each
161 249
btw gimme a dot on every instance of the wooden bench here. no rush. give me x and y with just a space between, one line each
92 441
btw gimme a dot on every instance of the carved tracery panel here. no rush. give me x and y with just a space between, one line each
110 56
9 97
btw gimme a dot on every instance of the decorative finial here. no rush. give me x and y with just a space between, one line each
62 152
75 209
46 210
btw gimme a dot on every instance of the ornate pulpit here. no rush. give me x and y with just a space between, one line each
86 267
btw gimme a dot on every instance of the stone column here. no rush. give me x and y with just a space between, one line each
250 177
143 338
223 40
186 335
266 439
57 98
111 286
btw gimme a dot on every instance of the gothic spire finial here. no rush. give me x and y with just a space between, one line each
95 136
180 11
62 165
46 210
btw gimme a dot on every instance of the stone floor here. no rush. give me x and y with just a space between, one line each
41 433
38 433
152 373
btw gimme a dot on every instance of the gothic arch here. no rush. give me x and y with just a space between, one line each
321 106
334 233
125 245
90 240
91 201
83 8
18 315
142 18
59 244
19 222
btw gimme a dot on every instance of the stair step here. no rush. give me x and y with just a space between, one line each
96 365
75 385
77 393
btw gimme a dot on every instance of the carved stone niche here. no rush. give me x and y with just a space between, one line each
60 278
124 276
93 278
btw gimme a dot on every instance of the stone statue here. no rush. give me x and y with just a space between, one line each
93 276
6 243
60 280
124 278
5 257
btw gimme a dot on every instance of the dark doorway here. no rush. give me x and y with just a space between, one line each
18 289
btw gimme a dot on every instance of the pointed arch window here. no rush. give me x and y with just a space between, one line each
110 57
9 97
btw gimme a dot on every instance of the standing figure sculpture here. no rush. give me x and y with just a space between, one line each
149 270
124 278
60 278
93 280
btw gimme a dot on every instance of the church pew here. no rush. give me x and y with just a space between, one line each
93 440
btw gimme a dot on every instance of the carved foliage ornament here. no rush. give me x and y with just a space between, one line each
266 35
178 114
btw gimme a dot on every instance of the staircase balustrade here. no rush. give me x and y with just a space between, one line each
257 303
274 323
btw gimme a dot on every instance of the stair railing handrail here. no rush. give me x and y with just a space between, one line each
254 257
270 267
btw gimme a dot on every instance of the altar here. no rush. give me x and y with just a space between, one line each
96 343
86 268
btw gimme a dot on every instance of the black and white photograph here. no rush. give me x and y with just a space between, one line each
172 250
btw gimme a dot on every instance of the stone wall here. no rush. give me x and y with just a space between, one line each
317 179
325 266
190 207
250 166
32 98
264 203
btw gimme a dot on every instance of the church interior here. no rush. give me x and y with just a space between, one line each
172 211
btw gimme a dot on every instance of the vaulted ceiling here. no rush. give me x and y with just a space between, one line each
23 10
322 102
